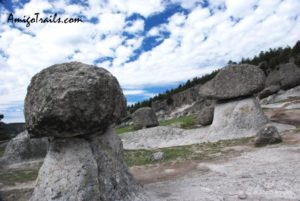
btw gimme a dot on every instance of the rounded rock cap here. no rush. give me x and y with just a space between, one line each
72 99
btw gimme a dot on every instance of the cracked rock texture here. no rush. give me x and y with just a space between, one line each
72 99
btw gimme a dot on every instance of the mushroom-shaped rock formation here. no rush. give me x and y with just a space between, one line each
76 104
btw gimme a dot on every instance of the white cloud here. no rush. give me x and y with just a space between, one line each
137 26
198 43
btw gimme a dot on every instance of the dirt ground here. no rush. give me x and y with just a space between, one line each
268 173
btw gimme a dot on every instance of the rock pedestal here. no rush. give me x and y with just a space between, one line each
237 113
85 156
237 118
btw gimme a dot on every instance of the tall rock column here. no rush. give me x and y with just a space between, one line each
75 105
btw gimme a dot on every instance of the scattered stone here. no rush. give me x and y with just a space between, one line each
241 118
144 118
285 75
206 115
72 99
22 148
268 91
158 156
234 81
242 195
268 134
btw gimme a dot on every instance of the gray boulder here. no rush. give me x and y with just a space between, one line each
285 75
158 156
205 116
268 91
268 134
23 148
144 118
90 168
237 118
234 81
72 99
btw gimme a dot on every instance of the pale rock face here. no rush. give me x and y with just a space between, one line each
237 118
22 148
86 169
72 99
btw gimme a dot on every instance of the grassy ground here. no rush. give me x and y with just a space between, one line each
185 122
11 177
2 149
197 152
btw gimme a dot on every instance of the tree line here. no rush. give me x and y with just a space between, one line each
267 61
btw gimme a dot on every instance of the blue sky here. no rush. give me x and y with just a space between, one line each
149 45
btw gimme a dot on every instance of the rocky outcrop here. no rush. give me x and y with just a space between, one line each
268 91
234 81
10 130
285 75
237 118
144 118
84 161
205 116
71 99
268 134
22 149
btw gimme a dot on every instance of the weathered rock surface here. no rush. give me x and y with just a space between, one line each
10 130
268 91
72 99
268 134
237 118
234 81
206 115
86 169
22 148
144 118
285 75
76 105
158 156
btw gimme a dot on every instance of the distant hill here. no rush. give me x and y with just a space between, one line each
267 61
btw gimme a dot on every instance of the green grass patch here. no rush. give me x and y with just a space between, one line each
184 122
123 130
197 152
2 150
17 176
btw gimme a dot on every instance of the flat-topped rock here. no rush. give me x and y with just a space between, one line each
234 81
72 99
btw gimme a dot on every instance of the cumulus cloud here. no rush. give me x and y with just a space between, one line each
188 44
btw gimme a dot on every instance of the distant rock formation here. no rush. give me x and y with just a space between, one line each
144 118
237 112
234 81
10 130
285 75
76 105
21 148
